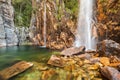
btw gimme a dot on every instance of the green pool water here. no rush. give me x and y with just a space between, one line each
10 55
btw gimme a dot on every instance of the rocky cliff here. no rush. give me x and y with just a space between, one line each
108 12
8 36
59 22
59 27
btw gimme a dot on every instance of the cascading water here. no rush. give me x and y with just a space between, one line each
44 30
84 29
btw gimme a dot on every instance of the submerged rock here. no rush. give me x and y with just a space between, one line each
108 47
14 70
73 51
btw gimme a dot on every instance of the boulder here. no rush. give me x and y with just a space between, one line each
110 73
108 47
55 61
73 51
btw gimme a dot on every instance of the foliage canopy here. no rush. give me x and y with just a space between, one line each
23 10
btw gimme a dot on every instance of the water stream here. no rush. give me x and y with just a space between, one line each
44 24
84 29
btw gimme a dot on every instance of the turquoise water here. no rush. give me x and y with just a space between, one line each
11 55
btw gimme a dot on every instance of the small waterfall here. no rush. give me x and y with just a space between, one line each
44 30
84 28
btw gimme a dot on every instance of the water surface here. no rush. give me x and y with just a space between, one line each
10 55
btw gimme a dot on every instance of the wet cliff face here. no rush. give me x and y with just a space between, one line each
59 26
8 36
108 12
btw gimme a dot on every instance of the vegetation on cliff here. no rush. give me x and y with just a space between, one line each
23 10
62 18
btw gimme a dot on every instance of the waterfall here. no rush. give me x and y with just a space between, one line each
44 30
84 29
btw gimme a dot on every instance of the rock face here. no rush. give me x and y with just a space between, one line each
22 34
2 32
8 36
108 47
108 21
59 27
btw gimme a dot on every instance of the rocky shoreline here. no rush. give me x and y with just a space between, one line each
93 65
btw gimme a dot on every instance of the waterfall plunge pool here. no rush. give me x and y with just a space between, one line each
11 55
40 70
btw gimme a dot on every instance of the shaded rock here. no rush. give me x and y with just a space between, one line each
90 51
14 70
110 73
73 51
108 47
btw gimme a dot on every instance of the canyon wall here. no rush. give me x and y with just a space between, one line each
60 23
61 28
8 36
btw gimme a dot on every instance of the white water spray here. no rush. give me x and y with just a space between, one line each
84 29
44 30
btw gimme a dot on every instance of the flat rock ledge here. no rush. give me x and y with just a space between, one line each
14 70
